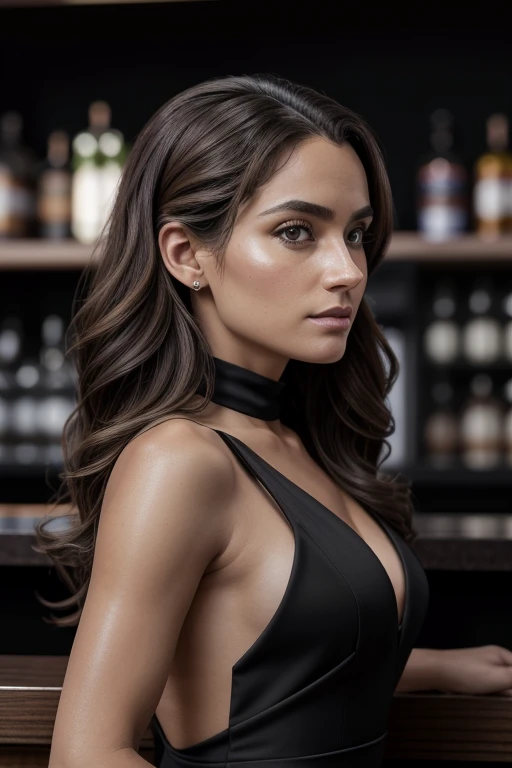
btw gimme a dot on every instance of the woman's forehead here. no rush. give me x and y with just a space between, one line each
317 171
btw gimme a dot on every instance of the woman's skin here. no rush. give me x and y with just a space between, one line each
192 555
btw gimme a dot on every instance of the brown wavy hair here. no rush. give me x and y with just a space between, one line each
139 353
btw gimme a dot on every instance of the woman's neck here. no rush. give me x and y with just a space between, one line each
245 394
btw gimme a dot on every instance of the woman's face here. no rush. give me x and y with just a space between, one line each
295 251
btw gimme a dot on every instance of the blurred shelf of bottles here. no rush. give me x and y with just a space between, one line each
70 193
466 369
452 199
37 394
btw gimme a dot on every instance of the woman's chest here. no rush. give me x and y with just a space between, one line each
259 559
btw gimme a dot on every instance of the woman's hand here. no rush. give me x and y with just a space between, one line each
482 670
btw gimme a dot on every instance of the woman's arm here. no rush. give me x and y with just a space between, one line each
423 671
162 522
484 669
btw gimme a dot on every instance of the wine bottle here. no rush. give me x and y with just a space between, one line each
11 345
442 184
507 328
481 425
507 425
441 428
482 334
493 180
17 179
99 154
441 338
54 189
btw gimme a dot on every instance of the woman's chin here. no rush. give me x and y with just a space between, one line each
324 354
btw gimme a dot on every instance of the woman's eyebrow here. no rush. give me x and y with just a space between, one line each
302 206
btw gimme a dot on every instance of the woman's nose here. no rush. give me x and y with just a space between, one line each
342 269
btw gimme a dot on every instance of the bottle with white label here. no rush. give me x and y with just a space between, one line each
56 405
442 184
99 154
17 179
11 349
507 424
507 328
482 334
492 198
441 338
481 426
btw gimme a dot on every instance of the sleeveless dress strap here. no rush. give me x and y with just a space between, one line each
259 471
255 467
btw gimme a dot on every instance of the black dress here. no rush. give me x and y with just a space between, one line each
314 690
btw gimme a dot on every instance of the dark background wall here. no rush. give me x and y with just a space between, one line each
392 70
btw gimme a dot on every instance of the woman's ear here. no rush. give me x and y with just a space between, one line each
179 251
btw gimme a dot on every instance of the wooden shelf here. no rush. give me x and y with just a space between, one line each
19 511
44 254
405 246
409 246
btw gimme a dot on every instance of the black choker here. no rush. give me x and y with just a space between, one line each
245 391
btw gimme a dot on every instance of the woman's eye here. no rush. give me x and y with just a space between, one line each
295 233
360 232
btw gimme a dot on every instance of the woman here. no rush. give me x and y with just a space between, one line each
251 588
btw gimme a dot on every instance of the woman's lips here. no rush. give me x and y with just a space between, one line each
332 322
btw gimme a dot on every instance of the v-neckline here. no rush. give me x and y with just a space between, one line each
382 524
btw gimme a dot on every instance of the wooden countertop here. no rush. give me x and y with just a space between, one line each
429 725
459 542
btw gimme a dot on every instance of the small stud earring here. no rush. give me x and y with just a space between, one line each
196 285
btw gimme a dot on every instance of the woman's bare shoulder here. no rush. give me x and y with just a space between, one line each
168 429
183 448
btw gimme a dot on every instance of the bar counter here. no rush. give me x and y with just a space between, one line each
422 726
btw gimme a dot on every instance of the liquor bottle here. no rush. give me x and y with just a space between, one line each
17 179
99 154
507 426
481 425
57 371
113 152
442 181
24 411
441 338
493 181
507 327
441 428
54 189
482 334
11 345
